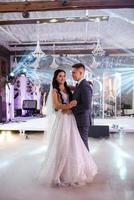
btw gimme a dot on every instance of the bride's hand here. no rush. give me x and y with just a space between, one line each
73 103
66 111
69 106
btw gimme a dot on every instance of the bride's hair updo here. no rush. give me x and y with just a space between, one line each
55 85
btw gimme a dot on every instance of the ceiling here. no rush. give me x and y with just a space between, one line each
65 30
72 31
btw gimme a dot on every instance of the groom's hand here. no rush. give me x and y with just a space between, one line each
73 103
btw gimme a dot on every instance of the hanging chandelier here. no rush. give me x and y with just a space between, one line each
54 64
94 64
98 50
38 53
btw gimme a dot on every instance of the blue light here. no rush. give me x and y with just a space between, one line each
24 70
28 59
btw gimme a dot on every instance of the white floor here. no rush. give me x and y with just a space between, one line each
20 162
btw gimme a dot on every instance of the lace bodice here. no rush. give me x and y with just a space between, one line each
65 97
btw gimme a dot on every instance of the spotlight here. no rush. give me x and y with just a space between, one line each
24 70
12 74
65 2
25 14
22 74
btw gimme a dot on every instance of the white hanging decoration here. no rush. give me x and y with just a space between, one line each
98 50
54 64
94 63
14 63
38 54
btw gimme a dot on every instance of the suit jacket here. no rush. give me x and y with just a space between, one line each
83 95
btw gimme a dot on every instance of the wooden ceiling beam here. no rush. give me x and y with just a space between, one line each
4 50
66 44
54 20
58 5
77 51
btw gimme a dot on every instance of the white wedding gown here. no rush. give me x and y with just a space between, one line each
67 161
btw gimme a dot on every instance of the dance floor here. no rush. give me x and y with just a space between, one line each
20 164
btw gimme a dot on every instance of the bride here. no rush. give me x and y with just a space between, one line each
67 161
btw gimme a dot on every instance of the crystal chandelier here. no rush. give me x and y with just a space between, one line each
98 50
38 53
94 63
54 64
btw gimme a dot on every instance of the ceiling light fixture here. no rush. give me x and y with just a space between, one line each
98 50
53 20
25 14
65 2
38 53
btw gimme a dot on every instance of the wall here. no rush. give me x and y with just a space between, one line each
4 70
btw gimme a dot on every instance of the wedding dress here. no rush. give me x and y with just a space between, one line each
67 161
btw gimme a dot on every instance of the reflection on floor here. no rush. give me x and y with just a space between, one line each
20 162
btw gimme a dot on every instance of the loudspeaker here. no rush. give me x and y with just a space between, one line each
98 131
18 112
29 105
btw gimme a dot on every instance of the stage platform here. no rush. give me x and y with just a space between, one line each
23 124
125 124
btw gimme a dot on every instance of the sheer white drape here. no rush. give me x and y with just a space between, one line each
50 113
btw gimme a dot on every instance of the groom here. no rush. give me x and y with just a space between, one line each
83 95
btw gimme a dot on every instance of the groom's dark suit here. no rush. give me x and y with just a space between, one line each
82 112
